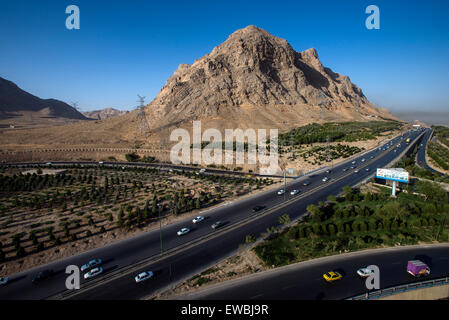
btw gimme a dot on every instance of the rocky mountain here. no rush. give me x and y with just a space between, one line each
14 102
257 80
104 113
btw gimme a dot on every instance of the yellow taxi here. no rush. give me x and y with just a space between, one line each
332 276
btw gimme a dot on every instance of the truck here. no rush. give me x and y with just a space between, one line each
418 268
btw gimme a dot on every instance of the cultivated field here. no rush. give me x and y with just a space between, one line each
50 214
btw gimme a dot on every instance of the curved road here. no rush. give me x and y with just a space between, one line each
304 280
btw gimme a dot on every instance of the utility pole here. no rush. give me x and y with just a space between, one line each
285 186
160 224
142 119
75 105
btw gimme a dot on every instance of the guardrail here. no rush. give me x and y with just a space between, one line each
401 289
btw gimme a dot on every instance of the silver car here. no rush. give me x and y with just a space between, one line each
364 272
183 231
143 276
91 264
198 219
93 273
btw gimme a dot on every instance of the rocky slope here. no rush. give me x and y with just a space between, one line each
104 113
14 102
257 80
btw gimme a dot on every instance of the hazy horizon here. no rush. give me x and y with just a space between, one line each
429 117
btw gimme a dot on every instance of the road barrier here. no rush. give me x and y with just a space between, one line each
401 289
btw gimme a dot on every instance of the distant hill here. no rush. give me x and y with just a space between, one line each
15 103
102 114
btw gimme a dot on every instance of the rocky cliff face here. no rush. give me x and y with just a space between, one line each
257 80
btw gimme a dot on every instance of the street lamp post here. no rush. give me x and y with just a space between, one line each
160 223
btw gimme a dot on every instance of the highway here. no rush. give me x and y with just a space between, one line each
304 281
200 248
421 154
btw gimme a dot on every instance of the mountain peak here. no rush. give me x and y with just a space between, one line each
257 78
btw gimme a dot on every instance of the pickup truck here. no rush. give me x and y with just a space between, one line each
418 268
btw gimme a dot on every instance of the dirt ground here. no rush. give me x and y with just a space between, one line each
24 218
244 263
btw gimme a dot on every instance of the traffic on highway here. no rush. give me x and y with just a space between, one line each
186 247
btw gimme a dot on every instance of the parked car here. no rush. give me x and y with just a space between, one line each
356 171
143 276
93 273
183 231
3 281
332 276
328 171
294 192
258 208
364 272
325 179
281 192
367 169
345 169
306 183
91 264
198 219
43 275
418 268
217 225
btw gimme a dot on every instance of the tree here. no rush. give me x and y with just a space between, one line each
132 157
314 211
250 238
284 219
348 192
432 191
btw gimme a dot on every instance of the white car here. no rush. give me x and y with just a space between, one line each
183 231
294 192
198 219
93 273
353 162
100 162
91 264
363 160
143 276
325 179
48 163
356 171
281 192
3 281
364 272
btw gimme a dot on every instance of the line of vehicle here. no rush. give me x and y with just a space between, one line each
129 269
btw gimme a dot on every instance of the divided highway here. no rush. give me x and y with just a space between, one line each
203 246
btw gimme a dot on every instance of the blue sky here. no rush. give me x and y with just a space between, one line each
125 48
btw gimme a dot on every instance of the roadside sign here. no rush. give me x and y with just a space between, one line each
393 174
